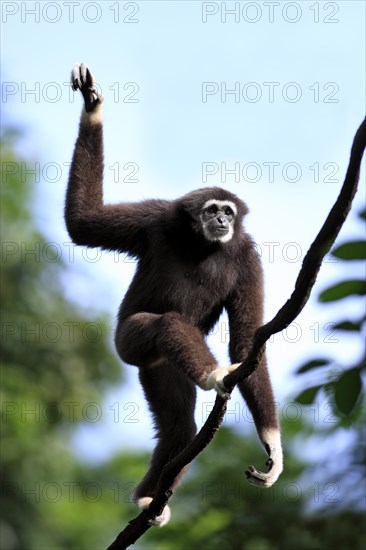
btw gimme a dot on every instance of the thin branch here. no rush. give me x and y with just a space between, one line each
291 309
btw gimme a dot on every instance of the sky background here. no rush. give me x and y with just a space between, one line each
194 90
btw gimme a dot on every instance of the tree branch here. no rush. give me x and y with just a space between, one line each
291 309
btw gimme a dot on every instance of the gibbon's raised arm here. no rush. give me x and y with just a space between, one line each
89 222
244 308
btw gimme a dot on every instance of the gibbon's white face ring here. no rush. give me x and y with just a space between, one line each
221 205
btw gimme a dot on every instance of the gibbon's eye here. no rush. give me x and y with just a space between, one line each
212 209
228 211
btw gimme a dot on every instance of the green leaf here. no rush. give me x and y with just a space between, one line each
342 290
363 214
355 250
308 396
315 363
347 390
349 325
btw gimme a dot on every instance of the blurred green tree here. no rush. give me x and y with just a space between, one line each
344 388
53 361
216 508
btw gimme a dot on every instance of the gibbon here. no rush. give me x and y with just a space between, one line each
194 261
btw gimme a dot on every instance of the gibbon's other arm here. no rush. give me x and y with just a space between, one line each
245 312
89 222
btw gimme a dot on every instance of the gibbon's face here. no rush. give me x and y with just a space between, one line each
218 218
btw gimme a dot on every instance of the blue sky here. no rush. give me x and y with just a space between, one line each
274 90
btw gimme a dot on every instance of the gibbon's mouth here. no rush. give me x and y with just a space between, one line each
222 229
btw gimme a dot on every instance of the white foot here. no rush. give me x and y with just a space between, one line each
215 380
159 521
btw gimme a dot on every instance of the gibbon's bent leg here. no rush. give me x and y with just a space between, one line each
146 338
172 357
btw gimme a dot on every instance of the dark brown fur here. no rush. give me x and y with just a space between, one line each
181 286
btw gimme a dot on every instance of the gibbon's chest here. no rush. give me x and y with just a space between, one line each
194 289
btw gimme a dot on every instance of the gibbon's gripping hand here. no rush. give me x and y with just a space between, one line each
272 443
83 80
215 380
159 521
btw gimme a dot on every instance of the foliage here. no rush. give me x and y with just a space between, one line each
52 365
54 362
344 389
216 508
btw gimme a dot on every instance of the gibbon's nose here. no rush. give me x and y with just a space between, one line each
221 220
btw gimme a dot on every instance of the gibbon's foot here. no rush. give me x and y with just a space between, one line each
272 442
159 521
215 380
83 80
